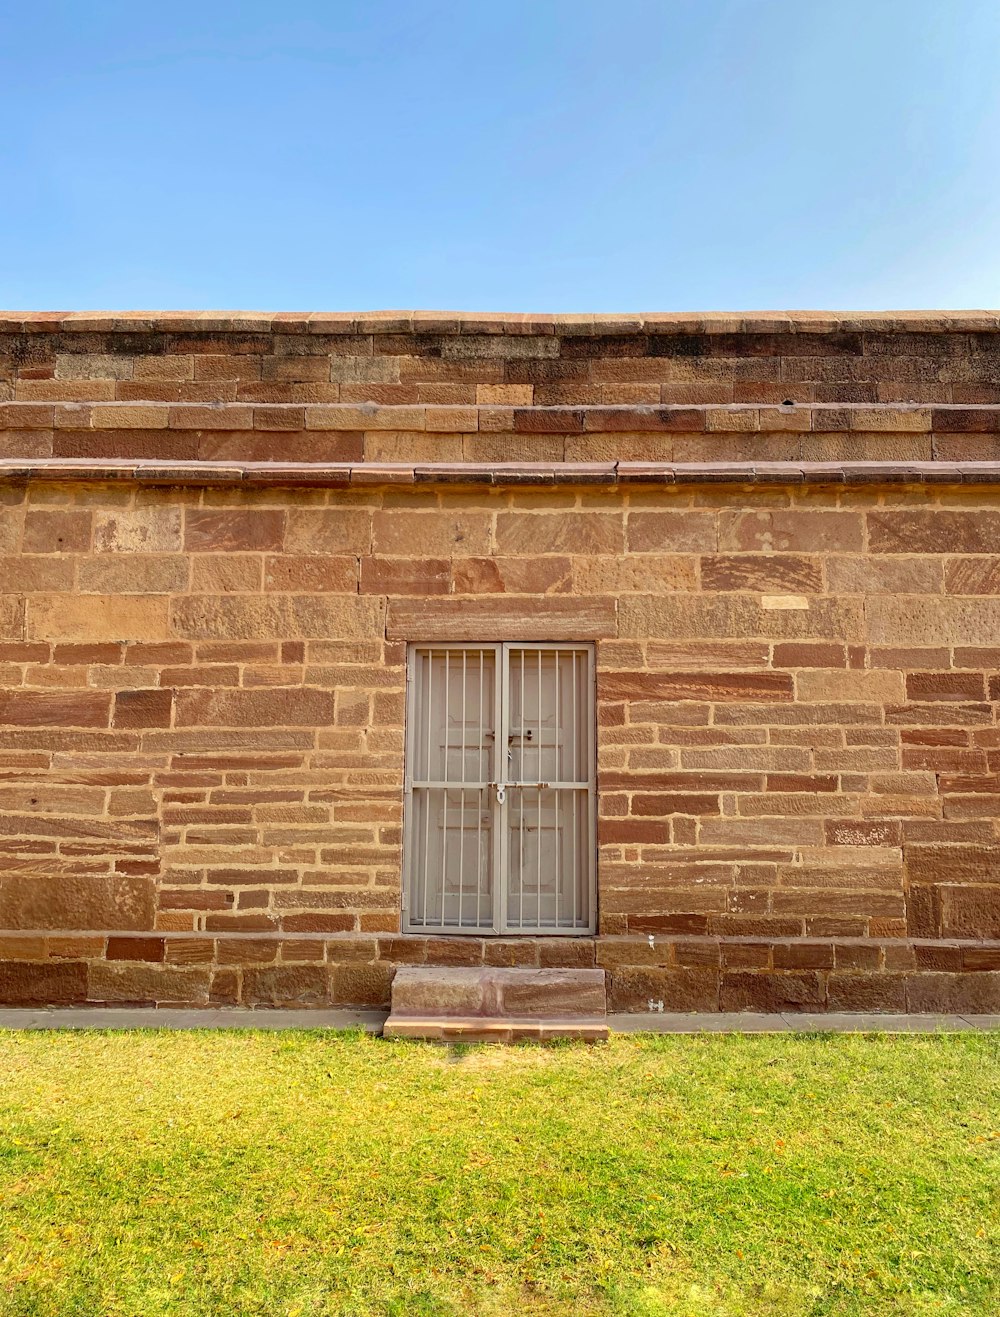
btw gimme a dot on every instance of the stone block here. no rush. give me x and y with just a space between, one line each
278 617
642 988
803 991
772 572
97 617
143 708
148 528
133 983
360 984
502 617
54 709
76 901
233 530
25 984
286 985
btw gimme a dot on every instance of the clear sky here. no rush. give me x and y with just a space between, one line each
542 155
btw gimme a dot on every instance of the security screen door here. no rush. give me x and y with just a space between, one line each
499 809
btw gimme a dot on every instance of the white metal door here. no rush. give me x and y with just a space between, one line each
500 824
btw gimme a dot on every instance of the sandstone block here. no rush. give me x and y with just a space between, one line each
864 687
132 574
143 708
934 530
792 531
748 991
761 572
501 617
360 985
711 686
274 707
76 901
54 709
927 620
285 985
963 994
148 528
57 532
278 617
333 530
680 531
97 617
141 984
26 984
243 529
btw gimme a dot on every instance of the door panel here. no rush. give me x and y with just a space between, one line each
500 789
451 836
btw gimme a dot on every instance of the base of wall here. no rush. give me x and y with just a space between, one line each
677 974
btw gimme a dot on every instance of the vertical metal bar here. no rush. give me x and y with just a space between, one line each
576 771
426 792
520 809
538 802
461 807
557 793
409 730
501 845
479 808
445 778
591 911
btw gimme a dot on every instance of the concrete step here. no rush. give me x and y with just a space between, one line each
498 1005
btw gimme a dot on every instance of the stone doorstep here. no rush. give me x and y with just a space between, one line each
424 994
509 1029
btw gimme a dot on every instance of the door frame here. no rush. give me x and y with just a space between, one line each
498 925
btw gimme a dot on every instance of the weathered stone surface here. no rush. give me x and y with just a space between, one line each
149 528
286 985
919 620
514 993
71 901
227 617
797 749
97 617
161 985
24 984
502 617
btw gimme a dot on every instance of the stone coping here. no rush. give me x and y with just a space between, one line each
666 418
342 475
499 322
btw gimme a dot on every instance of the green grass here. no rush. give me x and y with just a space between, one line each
297 1174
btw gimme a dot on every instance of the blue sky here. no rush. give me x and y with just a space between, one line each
543 155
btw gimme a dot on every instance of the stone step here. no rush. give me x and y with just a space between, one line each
497 1005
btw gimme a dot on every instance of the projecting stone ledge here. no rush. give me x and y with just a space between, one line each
498 1005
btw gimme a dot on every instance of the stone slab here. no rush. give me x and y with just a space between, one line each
506 1029
423 992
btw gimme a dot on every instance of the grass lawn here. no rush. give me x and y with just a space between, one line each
297 1174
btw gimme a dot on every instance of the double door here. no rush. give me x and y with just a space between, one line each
499 794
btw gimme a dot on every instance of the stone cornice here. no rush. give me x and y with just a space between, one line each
461 322
498 474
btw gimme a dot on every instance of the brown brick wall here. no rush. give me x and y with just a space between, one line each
201 702
217 532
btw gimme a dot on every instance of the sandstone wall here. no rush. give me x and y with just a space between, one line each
217 534
201 734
